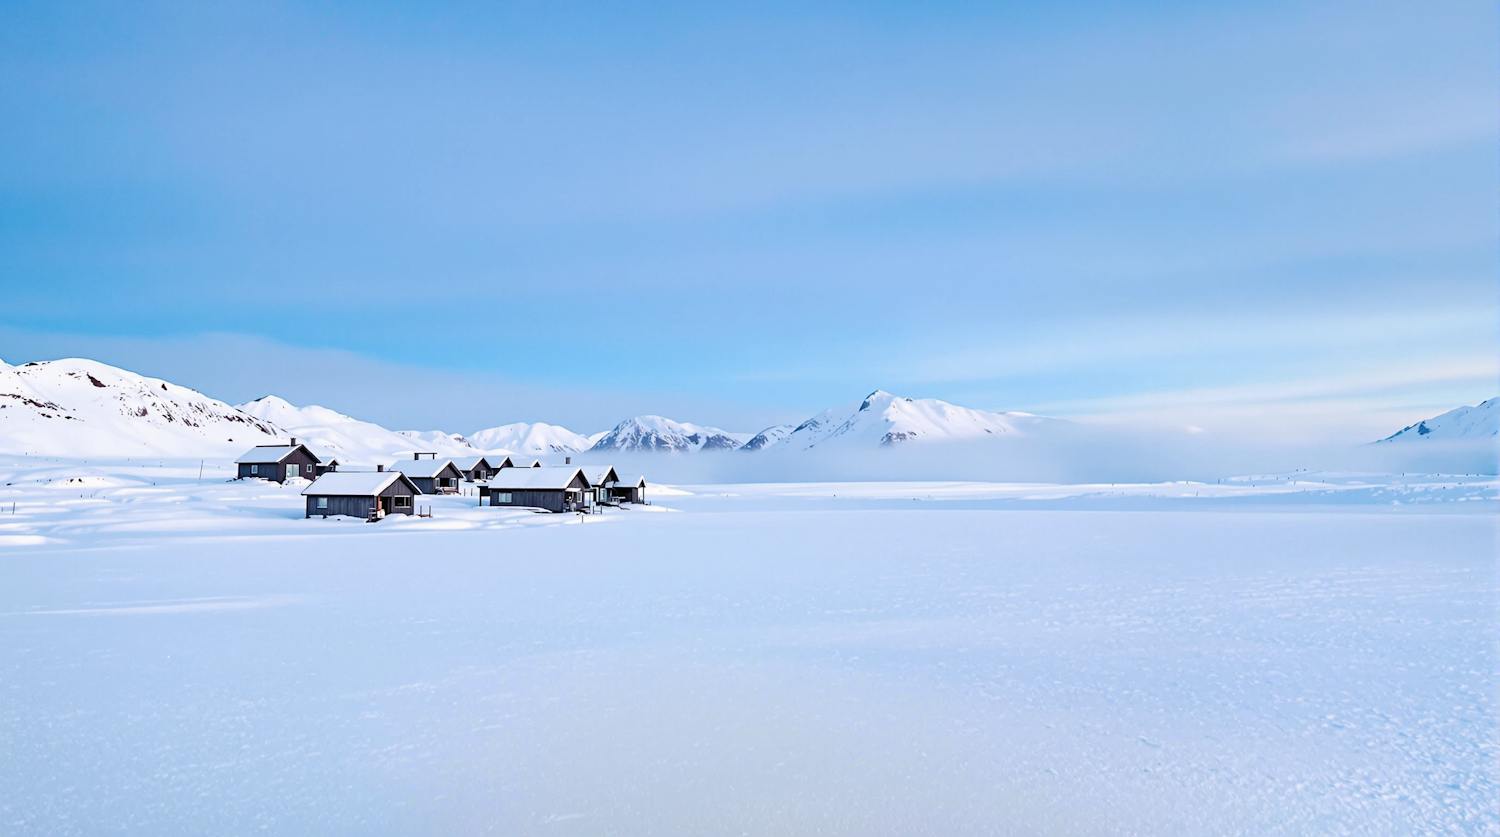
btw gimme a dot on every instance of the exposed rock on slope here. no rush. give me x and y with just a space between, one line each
1481 422
654 433
83 408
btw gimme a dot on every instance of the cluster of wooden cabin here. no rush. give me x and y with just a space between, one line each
498 481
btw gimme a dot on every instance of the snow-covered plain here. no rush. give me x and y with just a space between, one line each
1283 654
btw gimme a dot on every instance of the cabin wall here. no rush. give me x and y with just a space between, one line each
302 460
348 506
553 500
424 484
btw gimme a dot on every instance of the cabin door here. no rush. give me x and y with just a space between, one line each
385 506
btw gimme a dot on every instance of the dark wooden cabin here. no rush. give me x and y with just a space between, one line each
368 495
326 467
481 468
629 488
431 476
277 463
551 489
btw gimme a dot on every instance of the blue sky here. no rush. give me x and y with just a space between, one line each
1258 219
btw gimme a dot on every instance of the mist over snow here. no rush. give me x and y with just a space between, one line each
85 408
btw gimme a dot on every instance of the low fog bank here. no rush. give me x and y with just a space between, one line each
1084 455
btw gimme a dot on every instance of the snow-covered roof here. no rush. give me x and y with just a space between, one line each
271 454
355 483
632 480
600 474
469 463
421 467
518 479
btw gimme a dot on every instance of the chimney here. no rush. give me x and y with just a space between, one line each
294 441
380 467
567 460
416 456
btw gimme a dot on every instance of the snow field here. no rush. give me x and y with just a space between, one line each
766 660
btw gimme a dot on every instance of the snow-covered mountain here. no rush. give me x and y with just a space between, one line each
885 419
1481 422
654 433
769 436
532 439
83 408
332 434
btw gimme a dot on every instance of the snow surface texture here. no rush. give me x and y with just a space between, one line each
882 419
1481 422
1283 654
83 408
654 433
537 439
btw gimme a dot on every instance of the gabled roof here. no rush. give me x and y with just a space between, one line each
272 454
600 474
469 463
423 467
631 480
519 479
356 483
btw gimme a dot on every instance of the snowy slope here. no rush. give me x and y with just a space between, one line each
534 439
1481 422
769 436
885 419
333 434
437 440
83 408
654 433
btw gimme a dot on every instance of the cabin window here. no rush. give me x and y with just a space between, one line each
291 470
254 469
322 502
402 502
501 497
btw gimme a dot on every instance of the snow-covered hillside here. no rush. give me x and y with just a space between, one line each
885 419
1481 422
534 439
437 440
769 436
330 433
83 408
654 433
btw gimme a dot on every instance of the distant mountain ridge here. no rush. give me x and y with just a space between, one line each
1478 422
532 439
82 407
654 433
885 420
